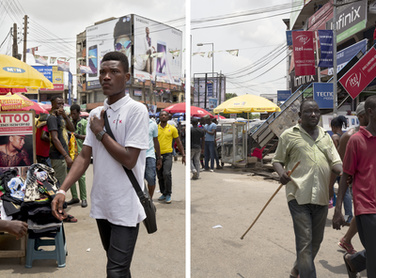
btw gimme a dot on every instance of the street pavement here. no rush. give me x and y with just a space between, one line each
223 205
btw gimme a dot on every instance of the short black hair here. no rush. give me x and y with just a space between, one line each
370 102
75 107
340 121
304 101
117 56
53 99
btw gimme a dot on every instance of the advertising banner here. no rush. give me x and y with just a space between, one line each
113 35
345 55
157 51
16 139
200 98
351 19
323 95
318 20
303 52
360 75
54 75
326 42
283 95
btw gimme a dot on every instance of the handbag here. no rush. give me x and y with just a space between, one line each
147 203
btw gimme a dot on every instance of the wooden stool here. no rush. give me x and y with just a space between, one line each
34 253
8 245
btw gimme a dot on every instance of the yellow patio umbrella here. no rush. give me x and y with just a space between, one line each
16 74
247 104
13 102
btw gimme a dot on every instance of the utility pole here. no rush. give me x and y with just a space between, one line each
15 42
25 36
335 96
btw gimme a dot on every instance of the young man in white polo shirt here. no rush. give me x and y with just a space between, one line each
114 203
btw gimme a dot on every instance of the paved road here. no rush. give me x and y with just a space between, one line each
223 205
161 254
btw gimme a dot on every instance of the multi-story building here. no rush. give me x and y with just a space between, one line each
154 51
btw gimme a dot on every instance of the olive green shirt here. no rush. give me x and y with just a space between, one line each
310 180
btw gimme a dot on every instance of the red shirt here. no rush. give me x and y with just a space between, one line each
42 147
360 162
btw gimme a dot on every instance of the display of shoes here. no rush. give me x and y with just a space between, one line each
84 203
73 201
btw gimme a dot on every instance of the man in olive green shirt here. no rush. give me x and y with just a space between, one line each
307 189
80 135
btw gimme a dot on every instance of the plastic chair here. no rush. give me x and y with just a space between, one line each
34 253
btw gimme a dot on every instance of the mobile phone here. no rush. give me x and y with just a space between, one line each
161 61
93 60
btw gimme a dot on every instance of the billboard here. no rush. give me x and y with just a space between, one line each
203 93
157 51
112 35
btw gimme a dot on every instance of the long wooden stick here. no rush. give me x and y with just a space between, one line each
270 199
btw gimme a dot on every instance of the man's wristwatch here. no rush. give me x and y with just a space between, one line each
100 135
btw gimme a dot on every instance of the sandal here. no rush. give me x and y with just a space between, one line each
348 247
71 219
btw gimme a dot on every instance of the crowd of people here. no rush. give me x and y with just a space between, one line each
147 148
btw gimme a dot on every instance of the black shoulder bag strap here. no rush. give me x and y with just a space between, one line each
130 174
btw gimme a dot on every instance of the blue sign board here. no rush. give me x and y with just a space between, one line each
323 95
345 55
47 71
210 89
283 95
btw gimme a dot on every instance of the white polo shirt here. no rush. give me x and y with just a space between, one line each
113 196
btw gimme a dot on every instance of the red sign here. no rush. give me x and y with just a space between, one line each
303 52
361 74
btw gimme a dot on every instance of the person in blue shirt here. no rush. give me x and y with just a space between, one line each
209 148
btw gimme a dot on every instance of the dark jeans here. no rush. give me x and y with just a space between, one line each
209 152
366 225
309 224
164 174
119 244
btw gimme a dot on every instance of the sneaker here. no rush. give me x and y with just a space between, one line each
84 203
162 197
168 199
195 175
211 170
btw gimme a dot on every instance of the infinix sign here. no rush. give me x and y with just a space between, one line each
351 19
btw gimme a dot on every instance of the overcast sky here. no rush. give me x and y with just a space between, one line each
253 39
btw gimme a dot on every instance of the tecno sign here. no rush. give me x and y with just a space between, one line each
361 74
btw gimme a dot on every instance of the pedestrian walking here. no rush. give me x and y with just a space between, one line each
166 134
196 147
114 202
307 189
209 148
153 157
360 164
80 135
345 241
